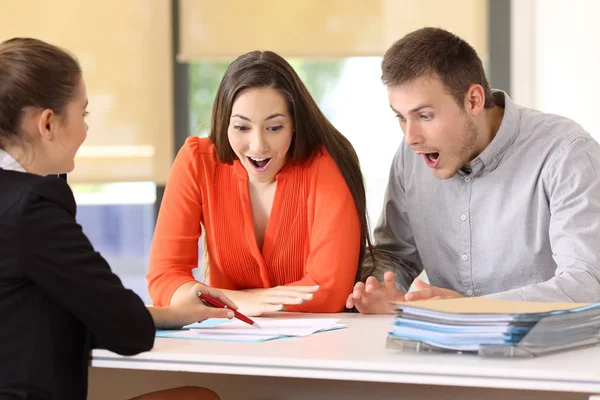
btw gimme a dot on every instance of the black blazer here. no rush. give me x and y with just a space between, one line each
57 295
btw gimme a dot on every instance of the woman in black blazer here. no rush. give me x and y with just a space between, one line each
58 297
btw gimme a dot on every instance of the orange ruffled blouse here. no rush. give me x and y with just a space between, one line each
312 237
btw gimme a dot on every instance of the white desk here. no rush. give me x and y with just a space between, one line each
351 363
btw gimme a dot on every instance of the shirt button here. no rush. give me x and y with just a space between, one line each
464 257
463 217
467 179
469 292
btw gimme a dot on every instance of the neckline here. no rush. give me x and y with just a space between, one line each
260 255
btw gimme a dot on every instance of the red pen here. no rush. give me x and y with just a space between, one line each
218 304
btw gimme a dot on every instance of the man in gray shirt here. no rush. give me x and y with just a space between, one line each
489 198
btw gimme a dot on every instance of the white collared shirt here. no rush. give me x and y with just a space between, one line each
7 162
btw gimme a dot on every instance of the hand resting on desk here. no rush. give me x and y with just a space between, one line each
250 302
255 302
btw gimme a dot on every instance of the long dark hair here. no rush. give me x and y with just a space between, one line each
259 69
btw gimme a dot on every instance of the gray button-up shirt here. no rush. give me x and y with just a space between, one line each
523 224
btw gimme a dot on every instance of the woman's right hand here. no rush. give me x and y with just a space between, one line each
255 302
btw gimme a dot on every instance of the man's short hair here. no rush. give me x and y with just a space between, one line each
438 53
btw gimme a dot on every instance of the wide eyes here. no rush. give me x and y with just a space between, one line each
243 128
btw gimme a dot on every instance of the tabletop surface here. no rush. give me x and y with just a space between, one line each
359 352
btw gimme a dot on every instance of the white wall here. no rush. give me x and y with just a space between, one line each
360 109
556 58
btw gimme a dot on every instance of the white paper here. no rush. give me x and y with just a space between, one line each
271 328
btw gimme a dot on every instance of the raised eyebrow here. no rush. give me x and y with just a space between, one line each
241 116
420 107
274 116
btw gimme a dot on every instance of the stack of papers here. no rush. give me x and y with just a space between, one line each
238 331
495 327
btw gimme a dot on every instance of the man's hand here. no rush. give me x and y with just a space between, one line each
426 291
373 297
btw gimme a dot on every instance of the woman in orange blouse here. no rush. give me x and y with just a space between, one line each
278 192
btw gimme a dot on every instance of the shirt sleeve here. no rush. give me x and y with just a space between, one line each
393 238
174 252
572 183
334 241
59 258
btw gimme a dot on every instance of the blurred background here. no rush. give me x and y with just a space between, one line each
152 68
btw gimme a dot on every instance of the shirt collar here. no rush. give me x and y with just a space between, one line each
507 133
7 162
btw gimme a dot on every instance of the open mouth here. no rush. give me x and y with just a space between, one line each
259 163
432 159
